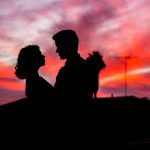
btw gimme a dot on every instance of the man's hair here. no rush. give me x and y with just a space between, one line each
67 35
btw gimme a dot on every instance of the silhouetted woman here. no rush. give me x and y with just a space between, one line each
29 61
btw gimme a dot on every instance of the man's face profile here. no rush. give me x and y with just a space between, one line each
62 49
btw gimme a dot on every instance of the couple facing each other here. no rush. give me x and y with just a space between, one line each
73 80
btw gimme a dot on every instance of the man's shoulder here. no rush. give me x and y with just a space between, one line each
80 61
78 64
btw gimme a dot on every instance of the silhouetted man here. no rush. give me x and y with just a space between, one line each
72 80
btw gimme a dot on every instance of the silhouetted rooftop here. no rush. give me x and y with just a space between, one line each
121 121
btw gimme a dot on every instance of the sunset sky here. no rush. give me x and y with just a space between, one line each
115 28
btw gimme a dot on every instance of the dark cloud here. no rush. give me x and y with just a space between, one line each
7 95
116 91
9 79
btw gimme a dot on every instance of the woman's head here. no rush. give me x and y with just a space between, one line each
29 59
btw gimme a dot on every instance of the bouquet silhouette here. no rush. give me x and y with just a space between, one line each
96 64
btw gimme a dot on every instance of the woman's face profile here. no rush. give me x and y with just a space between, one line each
35 57
40 58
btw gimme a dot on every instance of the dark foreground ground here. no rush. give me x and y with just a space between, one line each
105 123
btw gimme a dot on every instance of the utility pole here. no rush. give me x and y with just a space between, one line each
125 64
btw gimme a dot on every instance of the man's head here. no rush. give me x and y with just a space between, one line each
66 42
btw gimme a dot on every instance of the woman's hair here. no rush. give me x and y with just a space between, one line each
28 59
